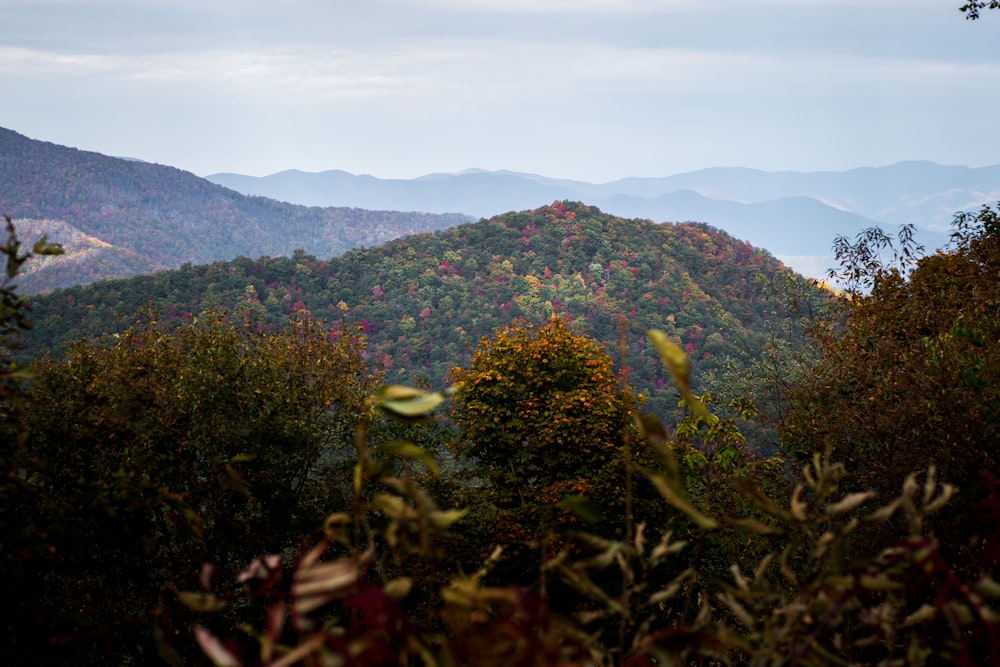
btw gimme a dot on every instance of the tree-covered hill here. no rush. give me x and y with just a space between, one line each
425 301
160 217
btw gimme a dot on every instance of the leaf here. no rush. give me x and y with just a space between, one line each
681 503
752 525
318 584
880 582
408 402
443 519
672 588
798 505
884 513
205 603
583 584
987 587
394 506
582 507
752 492
927 612
848 503
665 547
398 392
398 588
335 526
413 452
679 367
673 358
213 648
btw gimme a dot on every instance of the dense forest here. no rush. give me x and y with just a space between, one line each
424 302
240 476
119 218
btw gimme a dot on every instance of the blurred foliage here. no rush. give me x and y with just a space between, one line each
807 600
972 10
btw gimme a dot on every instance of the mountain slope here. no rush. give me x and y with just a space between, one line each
424 301
765 224
167 216
85 258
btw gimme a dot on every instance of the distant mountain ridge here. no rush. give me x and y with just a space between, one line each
130 217
789 213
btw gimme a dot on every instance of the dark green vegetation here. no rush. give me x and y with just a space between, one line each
164 490
426 300
118 218
973 9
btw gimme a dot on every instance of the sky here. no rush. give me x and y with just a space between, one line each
592 90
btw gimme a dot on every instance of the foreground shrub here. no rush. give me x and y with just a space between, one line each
809 600
146 456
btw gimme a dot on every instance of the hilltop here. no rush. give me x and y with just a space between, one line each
425 300
123 217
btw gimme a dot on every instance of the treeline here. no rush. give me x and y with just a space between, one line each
423 302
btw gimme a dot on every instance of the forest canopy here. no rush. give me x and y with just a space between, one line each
215 485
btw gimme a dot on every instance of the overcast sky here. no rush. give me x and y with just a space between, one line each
586 89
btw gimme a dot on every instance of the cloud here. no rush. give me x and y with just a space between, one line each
34 62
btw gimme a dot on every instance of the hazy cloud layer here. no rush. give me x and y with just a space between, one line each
592 89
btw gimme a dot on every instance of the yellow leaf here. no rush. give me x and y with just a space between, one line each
200 601
444 519
411 451
848 503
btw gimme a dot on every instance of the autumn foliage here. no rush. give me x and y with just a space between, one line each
537 406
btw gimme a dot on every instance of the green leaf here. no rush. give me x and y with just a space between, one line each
398 588
681 503
582 507
443 519
393 506
202 602
398 392
679 367
414 407
411 451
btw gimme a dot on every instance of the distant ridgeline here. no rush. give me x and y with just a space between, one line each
119 218
426 300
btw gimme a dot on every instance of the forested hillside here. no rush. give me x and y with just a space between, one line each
150 217
425 301
225 492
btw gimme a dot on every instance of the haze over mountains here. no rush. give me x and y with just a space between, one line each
120 217
795 215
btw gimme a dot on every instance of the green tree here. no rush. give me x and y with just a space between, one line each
146 457
22 534
913 376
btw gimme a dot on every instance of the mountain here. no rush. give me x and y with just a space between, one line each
145 217
426 300
793 214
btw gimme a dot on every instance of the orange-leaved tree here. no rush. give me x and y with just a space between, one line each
539 405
